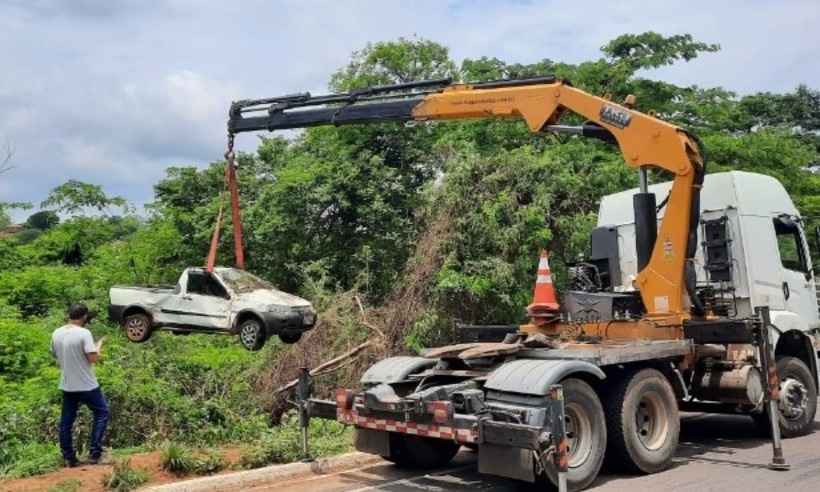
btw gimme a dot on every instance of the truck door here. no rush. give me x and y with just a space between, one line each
206 302
797 275
202 302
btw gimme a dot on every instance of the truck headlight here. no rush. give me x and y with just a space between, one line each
278 309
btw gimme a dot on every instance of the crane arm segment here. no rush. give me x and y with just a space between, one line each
645 141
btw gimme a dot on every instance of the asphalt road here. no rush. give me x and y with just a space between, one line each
716 452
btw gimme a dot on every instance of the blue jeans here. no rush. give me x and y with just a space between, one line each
95 401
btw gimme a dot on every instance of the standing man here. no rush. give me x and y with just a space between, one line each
76 352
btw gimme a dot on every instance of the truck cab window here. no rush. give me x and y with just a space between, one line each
214 288
196 282
205 284
790 244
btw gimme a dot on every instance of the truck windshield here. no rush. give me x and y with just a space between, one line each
242 281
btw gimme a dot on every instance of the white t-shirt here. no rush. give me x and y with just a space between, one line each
69 344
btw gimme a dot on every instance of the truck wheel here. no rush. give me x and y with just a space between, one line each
408 451
252 334
137 327
643 422
290 336
586 435
798 399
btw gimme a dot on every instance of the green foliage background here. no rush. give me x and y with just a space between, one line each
334 209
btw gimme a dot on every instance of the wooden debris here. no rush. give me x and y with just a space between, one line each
449 351
538 340
490 350
327 365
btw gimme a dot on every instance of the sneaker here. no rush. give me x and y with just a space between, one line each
72 463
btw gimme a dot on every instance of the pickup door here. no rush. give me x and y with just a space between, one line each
203 302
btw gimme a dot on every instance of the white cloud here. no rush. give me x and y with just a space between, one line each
114 92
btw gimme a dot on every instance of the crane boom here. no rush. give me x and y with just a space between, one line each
666 281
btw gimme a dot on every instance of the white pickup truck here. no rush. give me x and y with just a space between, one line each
227 300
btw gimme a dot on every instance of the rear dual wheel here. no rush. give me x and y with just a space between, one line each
586 435
643 422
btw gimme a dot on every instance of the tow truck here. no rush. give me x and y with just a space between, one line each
698 294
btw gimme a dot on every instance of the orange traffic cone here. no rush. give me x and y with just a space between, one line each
544 302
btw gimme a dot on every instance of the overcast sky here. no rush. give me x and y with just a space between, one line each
113 92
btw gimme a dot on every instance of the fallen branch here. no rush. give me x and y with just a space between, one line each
324 365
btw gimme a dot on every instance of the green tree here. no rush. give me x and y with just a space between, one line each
73 197
394 62
652 50
43 220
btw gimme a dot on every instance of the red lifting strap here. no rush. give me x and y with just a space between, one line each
239 251
233 188
209 263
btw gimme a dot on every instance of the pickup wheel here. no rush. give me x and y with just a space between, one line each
137 327
252 334
643 422
586 435
798 400
408 451
290 336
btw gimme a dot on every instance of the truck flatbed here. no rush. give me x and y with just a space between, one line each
604 354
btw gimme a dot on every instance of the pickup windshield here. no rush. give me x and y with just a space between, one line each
242 281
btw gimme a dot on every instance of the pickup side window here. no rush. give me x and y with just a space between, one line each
790 244
205 284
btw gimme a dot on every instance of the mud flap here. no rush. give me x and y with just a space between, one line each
506 461
372 441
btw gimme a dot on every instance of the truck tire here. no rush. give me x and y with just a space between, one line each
408 451
290 336
252 334
137 327
643 422
586 435
798 399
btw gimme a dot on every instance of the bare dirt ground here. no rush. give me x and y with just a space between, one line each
716 452
91 476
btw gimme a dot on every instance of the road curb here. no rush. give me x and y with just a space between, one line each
250 478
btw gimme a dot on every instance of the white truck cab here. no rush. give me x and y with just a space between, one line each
767 262
753 252
227 300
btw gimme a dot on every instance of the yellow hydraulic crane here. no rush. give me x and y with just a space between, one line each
665 284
